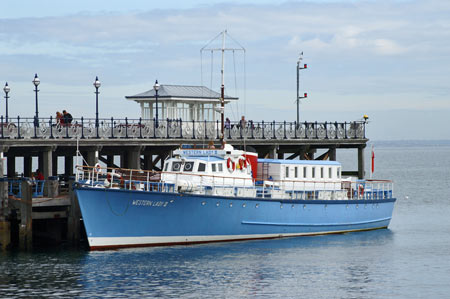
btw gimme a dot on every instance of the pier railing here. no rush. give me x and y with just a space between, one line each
85 128
143 180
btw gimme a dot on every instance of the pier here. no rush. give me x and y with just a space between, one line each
49 212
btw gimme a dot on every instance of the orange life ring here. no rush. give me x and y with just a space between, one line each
230 165
241 164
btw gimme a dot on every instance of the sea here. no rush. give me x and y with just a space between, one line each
410 259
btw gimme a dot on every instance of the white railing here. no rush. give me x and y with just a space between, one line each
143 180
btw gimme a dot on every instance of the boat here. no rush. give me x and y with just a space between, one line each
211 195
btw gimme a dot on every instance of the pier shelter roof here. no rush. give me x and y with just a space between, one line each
181 101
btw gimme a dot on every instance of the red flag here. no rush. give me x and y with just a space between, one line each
373 160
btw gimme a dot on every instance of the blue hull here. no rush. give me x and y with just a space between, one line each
126 218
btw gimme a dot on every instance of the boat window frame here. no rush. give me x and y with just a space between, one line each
191 163
220 167
296 171
305 172
176 164
313 173
330 172
199 169
213 167
286 174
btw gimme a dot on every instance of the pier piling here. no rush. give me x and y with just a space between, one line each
26 221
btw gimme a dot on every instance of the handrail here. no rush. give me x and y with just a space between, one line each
361 189
111 128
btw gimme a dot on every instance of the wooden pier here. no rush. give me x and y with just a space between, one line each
52 214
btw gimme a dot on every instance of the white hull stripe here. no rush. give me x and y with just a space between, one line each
314 224
105 242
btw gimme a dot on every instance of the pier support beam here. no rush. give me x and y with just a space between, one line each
27 165
55 164
11 166
148 161
68 165
47 167
26 226
134 158
332 154
361 162
110 161
73 221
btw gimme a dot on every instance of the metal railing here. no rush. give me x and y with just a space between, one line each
142 180
85 128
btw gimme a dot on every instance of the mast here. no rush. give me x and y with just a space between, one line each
222 72
222 91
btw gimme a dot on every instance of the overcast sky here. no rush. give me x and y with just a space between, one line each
387 59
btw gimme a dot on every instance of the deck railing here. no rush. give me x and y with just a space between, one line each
142 180
85 128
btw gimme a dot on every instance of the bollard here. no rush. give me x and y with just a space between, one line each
53 186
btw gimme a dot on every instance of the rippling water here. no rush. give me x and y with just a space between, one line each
409 260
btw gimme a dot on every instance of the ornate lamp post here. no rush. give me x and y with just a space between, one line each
6 89
97 85
36 82
156 88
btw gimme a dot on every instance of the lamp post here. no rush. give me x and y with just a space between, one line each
298 85
36 82
6 89
156 88
97 85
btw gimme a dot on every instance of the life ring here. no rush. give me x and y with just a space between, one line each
361 190
110 178
230 165
242 163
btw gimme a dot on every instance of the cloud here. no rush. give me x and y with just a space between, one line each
354 50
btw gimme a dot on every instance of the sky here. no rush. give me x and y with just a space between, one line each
387 59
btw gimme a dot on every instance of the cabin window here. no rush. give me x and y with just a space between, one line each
176 166
321 172
213 167
220 167
304 172
287 171
188 166
338 172
166 167
313 172
201 167
296 171
330 173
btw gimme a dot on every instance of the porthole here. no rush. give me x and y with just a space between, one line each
244 205
217 204
257 205
203 203
231 205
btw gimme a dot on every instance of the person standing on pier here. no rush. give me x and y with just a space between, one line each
67 117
